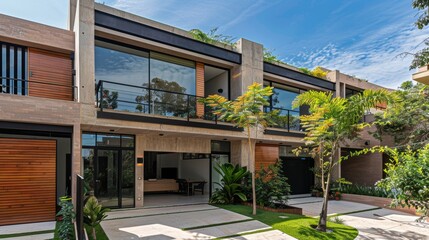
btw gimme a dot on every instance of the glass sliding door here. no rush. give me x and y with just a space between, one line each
220 155
217 160
106 181
109 168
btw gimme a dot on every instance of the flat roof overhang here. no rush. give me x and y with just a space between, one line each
123 25
298 76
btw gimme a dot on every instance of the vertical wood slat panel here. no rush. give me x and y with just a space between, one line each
27 180
54 69
265 154
200 87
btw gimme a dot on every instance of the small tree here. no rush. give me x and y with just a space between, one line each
245 112
94 213
331 121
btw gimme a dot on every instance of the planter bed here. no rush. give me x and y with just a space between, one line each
376 201
282 208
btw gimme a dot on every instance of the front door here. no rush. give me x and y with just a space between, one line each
297 170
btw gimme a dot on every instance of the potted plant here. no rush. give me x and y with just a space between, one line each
337 196
315 193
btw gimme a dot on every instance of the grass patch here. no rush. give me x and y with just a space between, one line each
101 235
295 225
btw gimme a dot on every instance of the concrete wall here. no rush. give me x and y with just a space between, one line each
218 82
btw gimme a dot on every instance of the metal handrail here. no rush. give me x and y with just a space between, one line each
188 109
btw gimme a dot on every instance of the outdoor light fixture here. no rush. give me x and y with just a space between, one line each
139 162
161 134
220 90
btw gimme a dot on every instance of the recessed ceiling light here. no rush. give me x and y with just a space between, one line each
161 134
225 139
112 130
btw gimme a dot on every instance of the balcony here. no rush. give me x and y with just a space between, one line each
170 107
422 75
24 87
287 119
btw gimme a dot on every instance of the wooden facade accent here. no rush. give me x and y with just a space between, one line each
50 75
200 87
265 154
27 180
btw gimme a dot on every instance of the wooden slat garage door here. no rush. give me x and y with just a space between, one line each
27 180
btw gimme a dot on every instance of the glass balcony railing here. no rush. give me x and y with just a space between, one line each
139 99
286 119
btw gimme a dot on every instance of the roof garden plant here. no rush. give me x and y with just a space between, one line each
330 122
212 37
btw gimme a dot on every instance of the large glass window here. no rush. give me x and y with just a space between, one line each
144 81
281 100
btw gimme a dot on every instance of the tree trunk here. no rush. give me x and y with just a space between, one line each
252 166
321 226
94 234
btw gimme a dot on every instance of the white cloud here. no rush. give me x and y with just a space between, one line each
374 57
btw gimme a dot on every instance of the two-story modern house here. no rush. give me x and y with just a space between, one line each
115 99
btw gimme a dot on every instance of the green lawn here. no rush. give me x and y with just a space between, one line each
295 225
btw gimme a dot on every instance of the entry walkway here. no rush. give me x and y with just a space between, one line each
371 222
200 221
29 231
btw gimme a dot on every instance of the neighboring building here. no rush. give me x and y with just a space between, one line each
422 75
115 99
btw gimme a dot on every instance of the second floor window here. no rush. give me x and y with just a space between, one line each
281 100
138 80
13 69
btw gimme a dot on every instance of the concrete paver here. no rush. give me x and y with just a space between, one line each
169 224
29 227
230 229
33 237
387 224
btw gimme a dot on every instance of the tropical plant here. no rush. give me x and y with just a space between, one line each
408 176
332 121
305 70
271 185
231 185
67 214
407 120
93 214
212 37
246 112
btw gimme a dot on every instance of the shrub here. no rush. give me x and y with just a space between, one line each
231 186
365 190
93 214
66 227
271 185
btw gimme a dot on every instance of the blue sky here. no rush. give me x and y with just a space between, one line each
358 37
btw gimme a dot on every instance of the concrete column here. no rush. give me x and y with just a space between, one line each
77 166
139 178
83 28
251 68
240 153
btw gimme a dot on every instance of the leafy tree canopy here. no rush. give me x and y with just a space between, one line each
421 58
407 119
